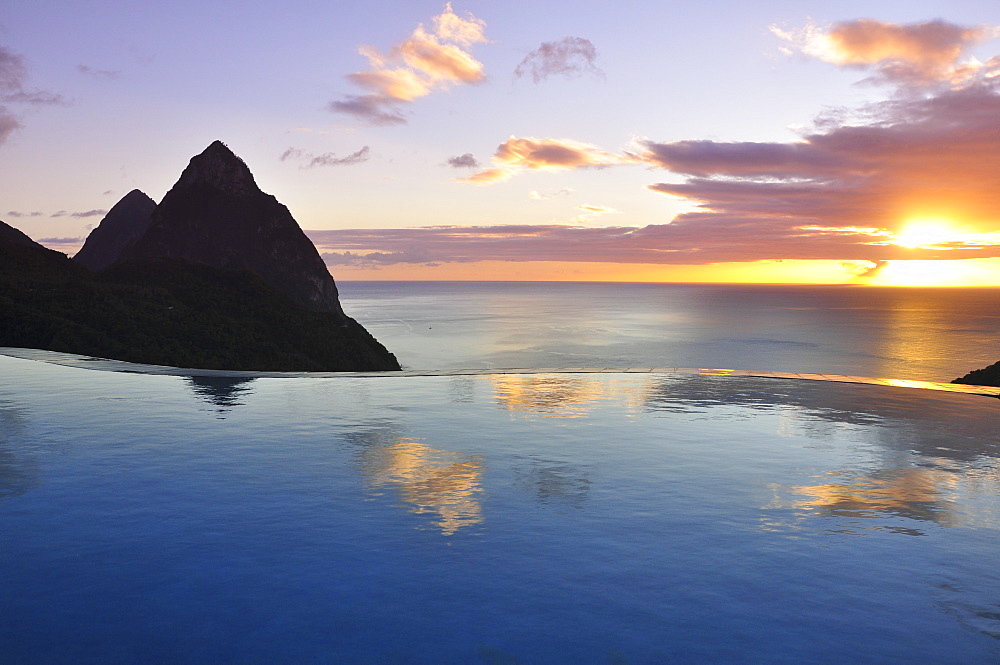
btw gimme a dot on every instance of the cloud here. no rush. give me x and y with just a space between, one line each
428 60
568 57
936 157
592 212
517 154
13 76
326 159
691 241
487 177
8 123
912 55
84 214
845 190
565 191
466 161
864 268
374 109
597 210
105 74
54 243
15 213
846 193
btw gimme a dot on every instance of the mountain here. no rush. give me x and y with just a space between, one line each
221 278
121 227
216 215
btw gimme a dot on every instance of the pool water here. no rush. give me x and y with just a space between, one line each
500 519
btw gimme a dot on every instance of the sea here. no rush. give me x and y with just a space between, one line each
929 334
538 517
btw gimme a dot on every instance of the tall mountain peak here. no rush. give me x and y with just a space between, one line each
121 227
219 167
217 216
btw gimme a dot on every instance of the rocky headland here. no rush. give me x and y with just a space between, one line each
987 376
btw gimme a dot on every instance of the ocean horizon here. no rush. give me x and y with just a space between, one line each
921 333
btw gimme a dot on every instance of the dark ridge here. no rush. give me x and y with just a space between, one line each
987 376
9 234
121 227
166 312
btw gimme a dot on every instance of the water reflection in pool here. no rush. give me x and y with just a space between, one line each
583 518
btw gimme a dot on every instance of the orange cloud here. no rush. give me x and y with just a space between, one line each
426 61
487 177
917 54
516 154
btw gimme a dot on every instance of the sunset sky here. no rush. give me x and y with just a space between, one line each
795 141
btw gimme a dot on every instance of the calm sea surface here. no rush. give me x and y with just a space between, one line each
532 519
927 334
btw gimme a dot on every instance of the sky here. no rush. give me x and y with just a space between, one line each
789 142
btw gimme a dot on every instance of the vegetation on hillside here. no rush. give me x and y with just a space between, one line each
166 312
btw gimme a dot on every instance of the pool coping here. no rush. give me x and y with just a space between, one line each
106 365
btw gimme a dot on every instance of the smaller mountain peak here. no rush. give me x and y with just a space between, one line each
123 225
136 195
219 167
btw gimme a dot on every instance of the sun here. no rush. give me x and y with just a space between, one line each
926 232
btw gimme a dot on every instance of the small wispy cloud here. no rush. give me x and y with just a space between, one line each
105 74
326 159
82 214
89 213
535 196
466 161
569 57
592 212
16 213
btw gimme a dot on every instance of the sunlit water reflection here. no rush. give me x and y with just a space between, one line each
591 518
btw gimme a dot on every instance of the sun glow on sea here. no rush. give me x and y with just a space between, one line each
937 273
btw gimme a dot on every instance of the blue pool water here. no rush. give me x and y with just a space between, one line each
500 519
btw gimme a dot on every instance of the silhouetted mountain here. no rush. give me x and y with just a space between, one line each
122 226
987 376
185 296
217 216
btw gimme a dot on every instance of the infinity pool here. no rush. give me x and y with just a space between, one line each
500 519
